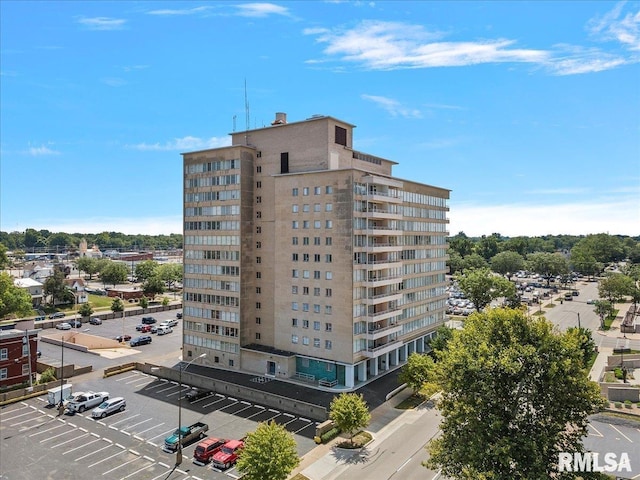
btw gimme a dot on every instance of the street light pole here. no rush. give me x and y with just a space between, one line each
62 364
179 451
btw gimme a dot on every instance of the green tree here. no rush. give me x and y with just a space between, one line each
114 273
144 303
146 270
455 262
585 341
170 273
604 309
417 371
514 395
85 310
13 300
614 286
442 337
117 305
487 247
88 265
507 263
481 286
349 412
153 286
4 260
269 453
461 244
548 264
474 261
55 288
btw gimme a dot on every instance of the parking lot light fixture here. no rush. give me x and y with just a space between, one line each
179 451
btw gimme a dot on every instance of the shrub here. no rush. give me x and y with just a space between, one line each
618 405
627 403
48 375
330 435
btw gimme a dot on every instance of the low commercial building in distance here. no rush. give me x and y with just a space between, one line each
306 259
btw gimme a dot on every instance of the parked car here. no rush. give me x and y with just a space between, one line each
227 456
143 340
87 400
591 301
123 338
107 407
206 449
148 320
162 330
154 329
575 293
75 323
179 315
146 328
57 315
197 393
139 326
39 353
63 326
95 321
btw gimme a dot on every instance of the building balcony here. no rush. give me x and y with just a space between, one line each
381 349
376 333
382 280
384 314
382 298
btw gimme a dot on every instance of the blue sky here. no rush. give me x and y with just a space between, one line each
528 111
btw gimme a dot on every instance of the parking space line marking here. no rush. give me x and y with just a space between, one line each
140 470
621 433
126 378
121 465
305 419
145 431
594 428
163 465
95 451
125 419
272 410
56 436
13 410
179 391
168 388
47 430
108 458
288 415
83 429
306 426
18 416
213 403
126 433
83 445
134 452
139 423
227 406
162 435
248 406
257 413
26 421
232 399
246 403
74 438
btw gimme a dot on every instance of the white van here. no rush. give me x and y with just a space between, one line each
164 329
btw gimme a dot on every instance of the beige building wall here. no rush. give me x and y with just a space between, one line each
335 282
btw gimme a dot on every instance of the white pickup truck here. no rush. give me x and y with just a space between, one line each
87 400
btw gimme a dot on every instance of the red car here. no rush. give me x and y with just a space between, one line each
227 456
145 328
207 449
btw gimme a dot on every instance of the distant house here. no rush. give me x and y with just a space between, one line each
33 287
77 286
125 293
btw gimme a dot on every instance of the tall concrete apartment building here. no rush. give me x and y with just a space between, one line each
305 259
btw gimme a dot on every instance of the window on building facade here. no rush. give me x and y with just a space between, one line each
258 274
316 342
257 335
329 275
305 323
316 240
328 207
305 274
328 327
316 207
294 208
305 191
317 190
294 338
316 257
258 259
316 224
294 306
305 340
258 290
327 292
316 274
258 199
328 258
341 136
328 189
305 290
231 362
4 353
284 162
3 373
294 192
259 169
258 229
258 320
328 241
294 289
305 240
305 307
294 257
305 224
305 207
305 257
258 305
258 184
294 322
294 273
316 324
328 224
327 310
294 224
327 344
258 244
316 292
258 214
316 308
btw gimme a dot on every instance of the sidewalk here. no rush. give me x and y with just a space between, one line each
320 462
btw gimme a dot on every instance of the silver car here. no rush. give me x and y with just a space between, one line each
107 407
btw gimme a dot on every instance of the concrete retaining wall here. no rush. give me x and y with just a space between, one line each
303 409
21 393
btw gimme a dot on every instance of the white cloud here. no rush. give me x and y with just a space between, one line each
379 45
183 11
393 107
260 9
394 45
618 27
184 144
613 216
41 151
102 23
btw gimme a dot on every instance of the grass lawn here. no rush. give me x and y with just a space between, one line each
359 440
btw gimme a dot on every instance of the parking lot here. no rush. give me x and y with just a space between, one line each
128 444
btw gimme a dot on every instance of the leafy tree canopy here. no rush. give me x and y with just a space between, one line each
114 273
515 394
507 263
146 269
13 300
269 452
417 371
349 412
481 286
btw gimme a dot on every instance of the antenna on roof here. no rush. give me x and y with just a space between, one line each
246 103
